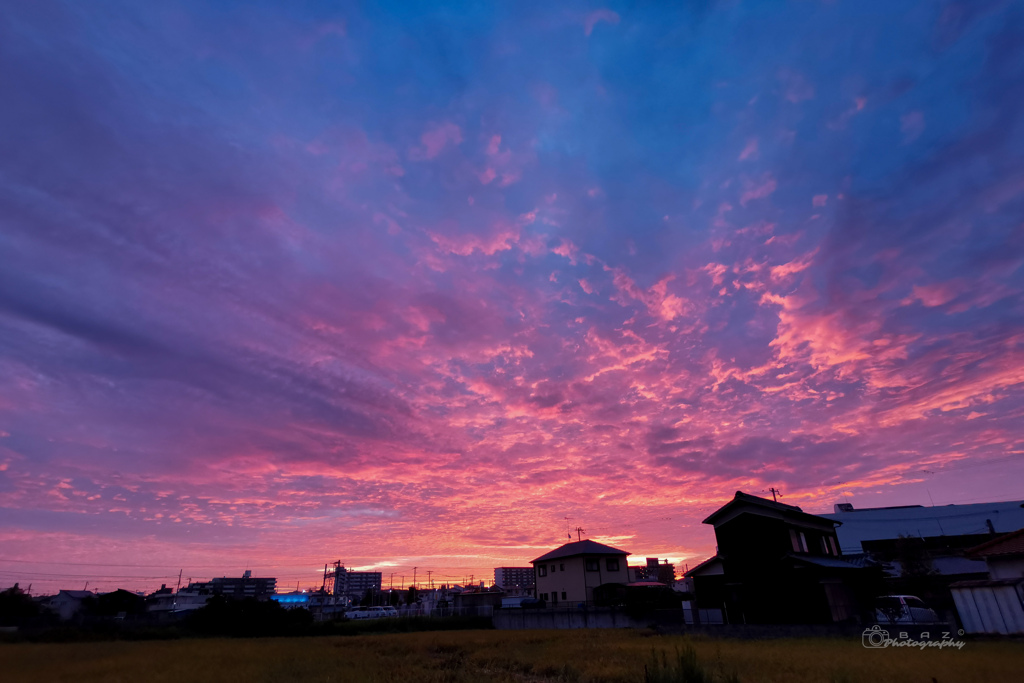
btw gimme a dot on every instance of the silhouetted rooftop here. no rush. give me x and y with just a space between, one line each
575 548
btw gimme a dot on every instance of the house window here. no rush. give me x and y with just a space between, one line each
612 564
554 598
794 540
803 541
832 542
563 595
593 566
561 567
542 570
544 597
824 546
552 569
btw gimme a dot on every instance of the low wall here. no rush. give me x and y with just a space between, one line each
671 621
510 619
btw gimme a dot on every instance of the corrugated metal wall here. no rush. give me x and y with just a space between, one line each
990 609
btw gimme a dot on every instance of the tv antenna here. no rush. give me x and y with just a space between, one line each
578 532
774 491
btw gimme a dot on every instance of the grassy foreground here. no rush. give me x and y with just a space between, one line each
456 656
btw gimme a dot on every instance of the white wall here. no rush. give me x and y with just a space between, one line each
1006 567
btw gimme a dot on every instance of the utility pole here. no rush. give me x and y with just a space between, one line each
414 576
775 491
430 581
391 586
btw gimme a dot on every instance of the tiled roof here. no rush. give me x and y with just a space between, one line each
830 562
791 511
1007 544
575 548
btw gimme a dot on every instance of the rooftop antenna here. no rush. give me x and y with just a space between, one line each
774 491
568 533
579 531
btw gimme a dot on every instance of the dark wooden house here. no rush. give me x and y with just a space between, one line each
777 564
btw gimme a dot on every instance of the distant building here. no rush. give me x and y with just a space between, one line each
515 580
192 597
66 604
778 564
477 601
655 570
945 531
354 584
247 586
569 574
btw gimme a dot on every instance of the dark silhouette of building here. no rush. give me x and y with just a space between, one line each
247 586
777 564
516 579
353 584
655 570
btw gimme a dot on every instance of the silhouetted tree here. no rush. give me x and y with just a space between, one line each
913 557
17 607
248 617
113 604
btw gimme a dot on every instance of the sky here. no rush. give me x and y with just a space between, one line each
431 284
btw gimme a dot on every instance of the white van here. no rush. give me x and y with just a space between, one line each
903 609
371 613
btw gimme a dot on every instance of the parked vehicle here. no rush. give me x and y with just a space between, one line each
371 612
903 609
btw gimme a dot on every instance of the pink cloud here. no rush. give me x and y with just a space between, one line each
795 87
819 200
597 16
758 189
493 145
567 250
435 140
935 294
750 151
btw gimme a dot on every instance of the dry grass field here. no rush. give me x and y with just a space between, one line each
456 656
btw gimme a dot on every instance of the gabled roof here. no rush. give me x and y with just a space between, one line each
79 595
1007 544
576 548
780 509
703 566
